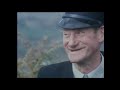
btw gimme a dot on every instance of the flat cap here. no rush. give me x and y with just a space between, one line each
73 20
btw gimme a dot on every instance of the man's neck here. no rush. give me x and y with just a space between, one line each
89 64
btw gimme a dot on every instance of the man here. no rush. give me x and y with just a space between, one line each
83 34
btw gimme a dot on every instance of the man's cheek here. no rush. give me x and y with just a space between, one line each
65 45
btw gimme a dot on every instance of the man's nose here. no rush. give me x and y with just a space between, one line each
72 41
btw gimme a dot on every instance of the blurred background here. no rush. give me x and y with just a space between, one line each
39 42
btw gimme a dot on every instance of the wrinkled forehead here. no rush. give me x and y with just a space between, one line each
73 31
77 29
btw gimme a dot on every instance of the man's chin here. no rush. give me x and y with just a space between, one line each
75 60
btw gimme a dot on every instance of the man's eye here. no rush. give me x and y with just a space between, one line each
66 35
81 32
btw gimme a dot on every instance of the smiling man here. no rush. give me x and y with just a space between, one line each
83 34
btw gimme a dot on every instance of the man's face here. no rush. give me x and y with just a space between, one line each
81 44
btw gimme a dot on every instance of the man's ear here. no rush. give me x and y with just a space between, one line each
101 34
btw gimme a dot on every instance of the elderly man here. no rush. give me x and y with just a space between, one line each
83 34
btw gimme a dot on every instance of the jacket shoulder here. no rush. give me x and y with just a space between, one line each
53 70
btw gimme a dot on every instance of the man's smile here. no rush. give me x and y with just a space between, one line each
74 50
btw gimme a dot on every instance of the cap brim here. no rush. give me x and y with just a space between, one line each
70 23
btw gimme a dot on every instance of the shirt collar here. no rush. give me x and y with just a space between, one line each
97 73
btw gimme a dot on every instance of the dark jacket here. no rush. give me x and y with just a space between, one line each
59 70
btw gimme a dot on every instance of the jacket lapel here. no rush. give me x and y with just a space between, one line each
67 70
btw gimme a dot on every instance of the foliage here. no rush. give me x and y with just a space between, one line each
39 56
